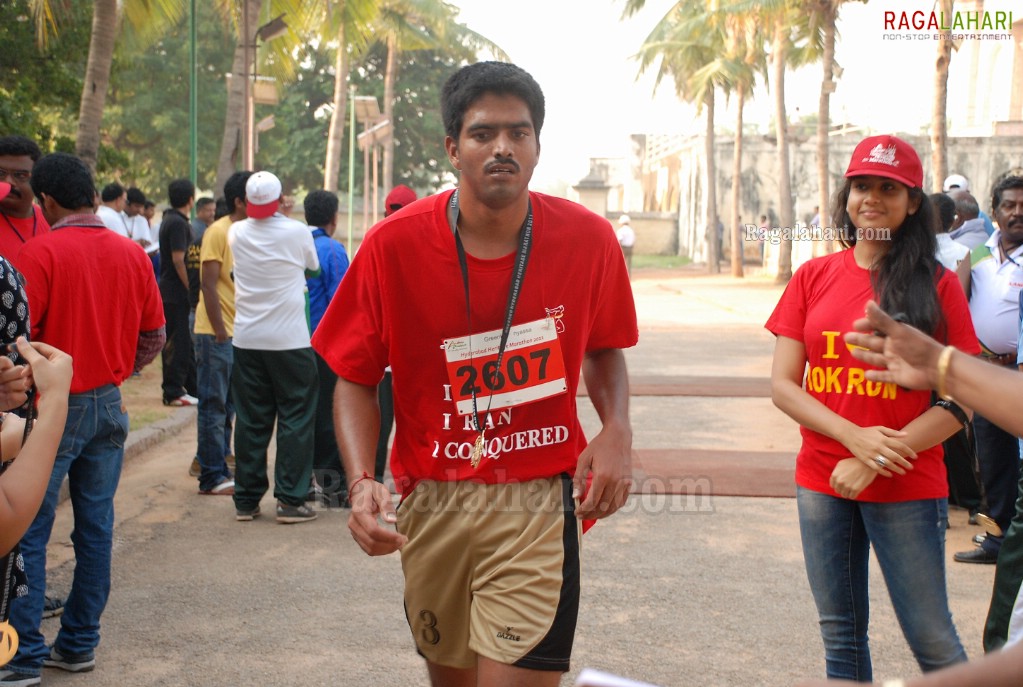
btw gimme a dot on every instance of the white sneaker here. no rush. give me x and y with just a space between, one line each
183 400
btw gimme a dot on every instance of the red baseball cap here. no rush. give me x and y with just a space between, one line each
399 197
262 195
5 188
887 156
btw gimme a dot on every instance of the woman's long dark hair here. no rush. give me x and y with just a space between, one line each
905 278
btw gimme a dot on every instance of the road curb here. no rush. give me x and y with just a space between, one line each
144 438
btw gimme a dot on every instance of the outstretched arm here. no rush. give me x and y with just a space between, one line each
609 456
910 358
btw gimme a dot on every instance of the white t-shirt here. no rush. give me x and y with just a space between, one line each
140 232
114 220
271 257
994 297
626 236
950 252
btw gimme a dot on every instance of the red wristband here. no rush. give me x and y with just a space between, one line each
351 487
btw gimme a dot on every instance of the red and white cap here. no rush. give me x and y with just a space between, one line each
887 156
262 195
5 188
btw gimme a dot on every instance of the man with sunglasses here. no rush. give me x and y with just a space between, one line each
20 218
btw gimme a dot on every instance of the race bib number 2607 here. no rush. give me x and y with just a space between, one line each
532 368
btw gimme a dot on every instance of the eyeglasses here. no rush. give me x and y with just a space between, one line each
19 175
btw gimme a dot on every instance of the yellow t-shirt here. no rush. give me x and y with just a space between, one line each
215 249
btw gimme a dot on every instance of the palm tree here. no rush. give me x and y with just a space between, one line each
744 61
348 24
939 120
688 43
413 25
105 27
279 62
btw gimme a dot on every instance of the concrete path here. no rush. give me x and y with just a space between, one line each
686 586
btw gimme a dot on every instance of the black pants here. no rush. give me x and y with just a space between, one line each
385 397
998 453
177 356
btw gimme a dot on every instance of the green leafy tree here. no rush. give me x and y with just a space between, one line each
147 114
50 18
409 26
38 84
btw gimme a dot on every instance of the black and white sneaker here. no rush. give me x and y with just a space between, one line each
72 663
290 515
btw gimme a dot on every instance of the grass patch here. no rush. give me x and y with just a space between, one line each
664 262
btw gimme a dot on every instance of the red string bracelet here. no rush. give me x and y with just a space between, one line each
351 487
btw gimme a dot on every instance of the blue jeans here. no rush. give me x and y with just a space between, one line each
90 454
909 541
216 412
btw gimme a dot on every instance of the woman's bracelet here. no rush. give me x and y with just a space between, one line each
943 362
351 487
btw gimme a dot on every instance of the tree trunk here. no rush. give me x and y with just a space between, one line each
234 115
785 212
390 81
713 252
336 132
830 16
737 238
97 78
939 122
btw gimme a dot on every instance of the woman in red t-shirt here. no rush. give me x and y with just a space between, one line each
870 469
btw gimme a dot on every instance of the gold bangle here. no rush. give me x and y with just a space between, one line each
943 362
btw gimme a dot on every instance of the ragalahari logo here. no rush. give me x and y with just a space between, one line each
882 156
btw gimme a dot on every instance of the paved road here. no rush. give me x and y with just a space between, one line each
679 589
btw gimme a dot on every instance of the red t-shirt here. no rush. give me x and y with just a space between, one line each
403 303
818 307
15 231
90 293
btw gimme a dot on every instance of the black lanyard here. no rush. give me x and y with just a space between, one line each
35 220
521 259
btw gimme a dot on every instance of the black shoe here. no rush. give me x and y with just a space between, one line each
978 555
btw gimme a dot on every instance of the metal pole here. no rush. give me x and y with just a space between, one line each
376 179
193 102
351 163
246 137
365 182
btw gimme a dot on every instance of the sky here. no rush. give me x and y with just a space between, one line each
581 53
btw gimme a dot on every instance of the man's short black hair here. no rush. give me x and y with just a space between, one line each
234 189
136 197
111 192
203 202
221 210
64 178
179 192
946 208
149 204
320 208
472 82
1011 182
16 146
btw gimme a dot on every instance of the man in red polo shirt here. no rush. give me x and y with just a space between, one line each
93 294
20 219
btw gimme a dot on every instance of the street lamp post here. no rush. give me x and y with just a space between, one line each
267 32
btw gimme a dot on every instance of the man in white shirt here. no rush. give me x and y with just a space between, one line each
992 278
626 239
950 253
274 376
112 209
135 222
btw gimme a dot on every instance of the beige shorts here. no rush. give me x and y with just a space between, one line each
492 570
